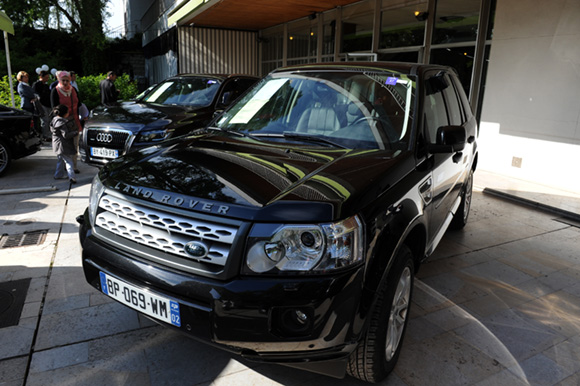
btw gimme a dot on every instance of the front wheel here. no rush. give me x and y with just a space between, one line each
5 158
378 351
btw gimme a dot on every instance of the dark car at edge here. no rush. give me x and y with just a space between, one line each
171 108
18 136
291 228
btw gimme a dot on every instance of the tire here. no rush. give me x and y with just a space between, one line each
377 353
460 219
5 158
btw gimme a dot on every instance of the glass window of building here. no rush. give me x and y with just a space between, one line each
302 41
272 45
357 27
328 34
456 21
460 58
403 26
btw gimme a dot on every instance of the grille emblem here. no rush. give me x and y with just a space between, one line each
104 137
196 249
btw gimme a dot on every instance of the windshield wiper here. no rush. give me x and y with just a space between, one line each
238 133
312 138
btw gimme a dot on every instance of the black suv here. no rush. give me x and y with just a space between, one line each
18 136
290 229
171 108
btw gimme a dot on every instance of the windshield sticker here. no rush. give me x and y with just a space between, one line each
258 101
380 79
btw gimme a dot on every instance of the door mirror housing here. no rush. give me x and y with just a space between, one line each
450 139
226 99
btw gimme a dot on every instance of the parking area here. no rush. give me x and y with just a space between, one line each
498 303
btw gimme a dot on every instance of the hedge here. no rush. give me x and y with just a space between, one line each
88 89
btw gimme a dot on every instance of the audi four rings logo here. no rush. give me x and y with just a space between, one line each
104 137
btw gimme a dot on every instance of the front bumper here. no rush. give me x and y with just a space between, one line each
255 317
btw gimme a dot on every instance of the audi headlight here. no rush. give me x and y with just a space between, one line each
153 135
97 189
304 248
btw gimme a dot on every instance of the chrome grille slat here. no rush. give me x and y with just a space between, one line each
167 232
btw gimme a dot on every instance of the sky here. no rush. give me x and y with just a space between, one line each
115 22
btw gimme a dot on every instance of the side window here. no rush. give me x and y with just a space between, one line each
463 99
234 88
435 114
453 106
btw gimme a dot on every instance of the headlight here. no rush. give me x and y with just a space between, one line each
305 248
97 190
152 136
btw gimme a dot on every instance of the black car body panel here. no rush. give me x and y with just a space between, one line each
113 131
18 136
274 244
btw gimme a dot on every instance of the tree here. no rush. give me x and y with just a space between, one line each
82 18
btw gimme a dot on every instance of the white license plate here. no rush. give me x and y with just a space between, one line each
104 152
156 306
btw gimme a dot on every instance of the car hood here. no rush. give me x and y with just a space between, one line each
247 179
135 116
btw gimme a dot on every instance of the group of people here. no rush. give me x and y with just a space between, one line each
62 113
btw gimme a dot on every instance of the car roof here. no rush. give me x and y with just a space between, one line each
400 67
219 76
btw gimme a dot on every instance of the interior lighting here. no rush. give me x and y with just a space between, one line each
421 16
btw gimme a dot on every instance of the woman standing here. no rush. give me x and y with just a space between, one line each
67 95
27 97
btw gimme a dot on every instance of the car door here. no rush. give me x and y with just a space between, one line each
442 108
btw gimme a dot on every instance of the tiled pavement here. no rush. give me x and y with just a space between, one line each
498 303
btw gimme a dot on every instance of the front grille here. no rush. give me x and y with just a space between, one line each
109 138
163 231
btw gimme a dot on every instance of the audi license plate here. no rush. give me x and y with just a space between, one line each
156 306
104 152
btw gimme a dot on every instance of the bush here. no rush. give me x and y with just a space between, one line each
91 93
88 89
5 92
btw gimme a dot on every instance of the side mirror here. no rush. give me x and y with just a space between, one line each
226 98
450 139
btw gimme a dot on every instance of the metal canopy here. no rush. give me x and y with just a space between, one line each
248 15
6 23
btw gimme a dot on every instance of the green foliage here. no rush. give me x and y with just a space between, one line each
5 92
88 89
91 93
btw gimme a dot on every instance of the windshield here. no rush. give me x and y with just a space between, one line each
192 91
368 110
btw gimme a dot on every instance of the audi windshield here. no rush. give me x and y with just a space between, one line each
188 91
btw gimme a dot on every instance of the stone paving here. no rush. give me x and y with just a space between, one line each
498 304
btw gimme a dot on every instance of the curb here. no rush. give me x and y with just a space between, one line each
534 204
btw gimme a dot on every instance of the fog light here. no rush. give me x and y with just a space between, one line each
301 317
292 322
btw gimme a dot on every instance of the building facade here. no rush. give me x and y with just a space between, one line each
518 60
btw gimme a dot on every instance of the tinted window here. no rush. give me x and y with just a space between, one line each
435 114
194 91
453 106
235 88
